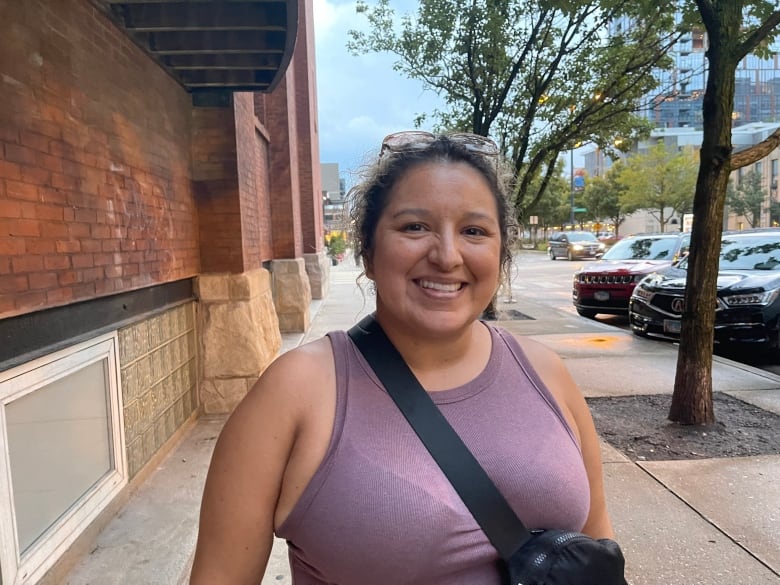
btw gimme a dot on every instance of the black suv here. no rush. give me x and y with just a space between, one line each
748 304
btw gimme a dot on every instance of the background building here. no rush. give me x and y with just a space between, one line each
677 139
333 199
677 102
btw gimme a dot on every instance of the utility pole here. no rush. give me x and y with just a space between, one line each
571 186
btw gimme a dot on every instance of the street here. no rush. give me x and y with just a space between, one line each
547 282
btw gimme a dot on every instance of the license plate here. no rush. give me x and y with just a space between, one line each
671 326
601 295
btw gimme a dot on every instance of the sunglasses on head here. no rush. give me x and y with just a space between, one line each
411 140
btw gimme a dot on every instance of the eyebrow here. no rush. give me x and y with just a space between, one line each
472 215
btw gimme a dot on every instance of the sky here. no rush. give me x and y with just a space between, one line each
360 99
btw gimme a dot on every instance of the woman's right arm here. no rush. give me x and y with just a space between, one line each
245 477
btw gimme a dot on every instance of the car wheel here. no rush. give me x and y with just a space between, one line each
589 313
552 254
570 256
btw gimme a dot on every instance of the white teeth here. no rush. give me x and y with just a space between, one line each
440 286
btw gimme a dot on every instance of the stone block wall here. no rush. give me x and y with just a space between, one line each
291 294
158 368
239 335
318 270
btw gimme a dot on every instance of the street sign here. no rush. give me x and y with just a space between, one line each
580 209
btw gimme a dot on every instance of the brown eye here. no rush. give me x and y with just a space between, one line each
414 227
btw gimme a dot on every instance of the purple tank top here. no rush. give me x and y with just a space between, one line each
379 511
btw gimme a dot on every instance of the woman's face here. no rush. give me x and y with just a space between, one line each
437 249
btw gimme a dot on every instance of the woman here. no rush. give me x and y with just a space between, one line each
317 452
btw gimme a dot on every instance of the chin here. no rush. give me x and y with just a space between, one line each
444 323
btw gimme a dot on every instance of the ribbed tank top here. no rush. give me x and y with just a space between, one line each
379 511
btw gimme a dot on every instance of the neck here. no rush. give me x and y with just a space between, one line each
442 362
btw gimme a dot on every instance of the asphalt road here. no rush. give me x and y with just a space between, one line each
549 282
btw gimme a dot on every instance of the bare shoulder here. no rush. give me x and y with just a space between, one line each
538 353
304 363
290 385
557 378
550 367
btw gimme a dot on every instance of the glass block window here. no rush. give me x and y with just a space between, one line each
61 454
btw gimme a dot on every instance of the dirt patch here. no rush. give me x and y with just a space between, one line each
638 427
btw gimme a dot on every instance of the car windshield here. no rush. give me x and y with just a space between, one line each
759 252
581 237
641 248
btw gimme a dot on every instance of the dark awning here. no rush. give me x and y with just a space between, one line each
233 45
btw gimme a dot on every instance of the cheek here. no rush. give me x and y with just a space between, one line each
488 262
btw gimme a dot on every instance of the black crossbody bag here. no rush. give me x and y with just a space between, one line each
535 557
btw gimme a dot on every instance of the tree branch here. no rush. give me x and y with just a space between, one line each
756 152
758 35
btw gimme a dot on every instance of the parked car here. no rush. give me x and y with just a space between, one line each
747 310
606 286
574 245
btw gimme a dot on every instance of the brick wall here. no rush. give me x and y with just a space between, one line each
308 143
214 161
95 192
281 122
253 182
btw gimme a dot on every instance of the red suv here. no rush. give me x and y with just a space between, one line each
605 286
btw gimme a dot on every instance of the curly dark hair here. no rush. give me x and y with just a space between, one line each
369 197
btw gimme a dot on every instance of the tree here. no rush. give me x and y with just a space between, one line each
603 196
539 76
735 29
658 181
747 198
554 208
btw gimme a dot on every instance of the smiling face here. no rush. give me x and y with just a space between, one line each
437 250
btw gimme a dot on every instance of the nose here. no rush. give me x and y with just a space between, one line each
445 252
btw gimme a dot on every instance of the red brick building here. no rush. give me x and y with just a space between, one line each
160 226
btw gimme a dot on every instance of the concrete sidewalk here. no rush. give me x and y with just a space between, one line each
702 522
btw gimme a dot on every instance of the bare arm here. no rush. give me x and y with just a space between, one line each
248 470
556 376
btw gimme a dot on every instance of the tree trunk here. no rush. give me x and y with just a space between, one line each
692 397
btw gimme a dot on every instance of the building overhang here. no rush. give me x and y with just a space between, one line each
213 47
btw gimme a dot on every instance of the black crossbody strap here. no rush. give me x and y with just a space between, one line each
499 522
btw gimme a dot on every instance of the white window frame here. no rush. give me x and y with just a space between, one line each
20 381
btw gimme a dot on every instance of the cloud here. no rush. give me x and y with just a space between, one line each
360 98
